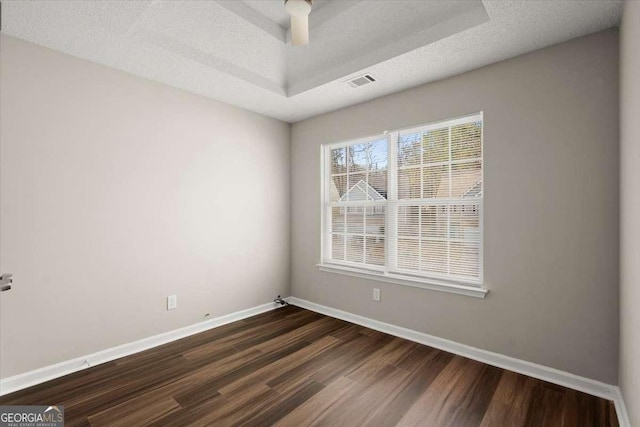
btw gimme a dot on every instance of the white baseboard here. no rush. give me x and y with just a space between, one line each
621 409
555 376
37 376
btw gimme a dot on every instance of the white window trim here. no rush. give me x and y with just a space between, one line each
405 280
386 274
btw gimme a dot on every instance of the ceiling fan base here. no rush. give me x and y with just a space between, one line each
298 7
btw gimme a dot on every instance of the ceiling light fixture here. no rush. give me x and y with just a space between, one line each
299 11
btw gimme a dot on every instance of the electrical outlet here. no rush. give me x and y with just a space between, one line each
376 294
172 302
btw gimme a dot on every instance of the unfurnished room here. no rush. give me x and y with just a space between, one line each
320 213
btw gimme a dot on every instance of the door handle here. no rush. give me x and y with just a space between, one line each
5 282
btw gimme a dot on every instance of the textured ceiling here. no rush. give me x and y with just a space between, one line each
237 51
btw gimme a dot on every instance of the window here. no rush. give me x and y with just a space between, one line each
407 204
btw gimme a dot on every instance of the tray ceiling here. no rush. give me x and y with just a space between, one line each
238 51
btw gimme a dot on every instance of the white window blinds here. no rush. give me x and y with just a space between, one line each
408 202
357 195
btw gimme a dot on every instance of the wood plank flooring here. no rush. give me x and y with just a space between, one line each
293 367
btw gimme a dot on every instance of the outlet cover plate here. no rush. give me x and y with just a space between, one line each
172 302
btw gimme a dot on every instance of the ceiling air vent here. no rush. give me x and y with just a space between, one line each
361 80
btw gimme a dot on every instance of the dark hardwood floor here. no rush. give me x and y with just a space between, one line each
293 367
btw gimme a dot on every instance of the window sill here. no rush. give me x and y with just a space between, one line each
424 283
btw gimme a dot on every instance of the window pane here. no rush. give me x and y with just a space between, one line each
378 185
466 141
338 187
409 186
435 182
409 149
465 235
338 161
465 259
338 216
435 146
355 248
434 256
434 220
375 250
375 219
357 157
378 158
355 219
465 222
409 221
466 180
408 254
357 187
337 247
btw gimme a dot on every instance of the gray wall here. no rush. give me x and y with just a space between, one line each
551 208
116 192
630 210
